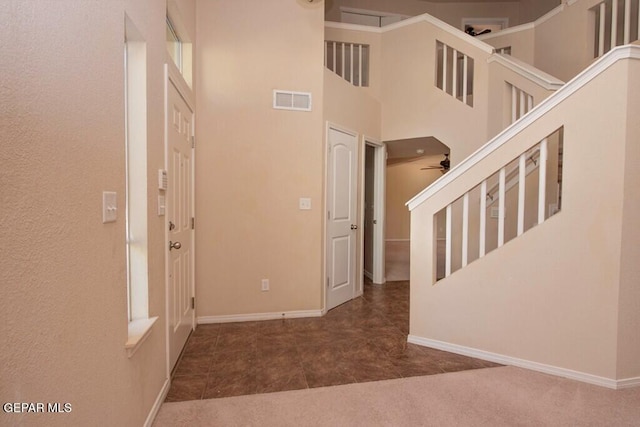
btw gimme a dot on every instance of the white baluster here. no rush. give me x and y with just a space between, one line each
514 103
614 23
351 45
601 30
454 72
523 104
360 65
335 50
447 264
465 71
542 183
465 228
343 76
501 215
627 21
444 66
483 219
529 103
522 166
325 53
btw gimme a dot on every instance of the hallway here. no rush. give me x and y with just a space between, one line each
360 341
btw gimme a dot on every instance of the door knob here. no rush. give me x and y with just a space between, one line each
354 227
174 245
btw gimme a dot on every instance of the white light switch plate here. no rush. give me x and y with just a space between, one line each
305 203
109 207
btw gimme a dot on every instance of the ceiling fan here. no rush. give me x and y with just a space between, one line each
443 166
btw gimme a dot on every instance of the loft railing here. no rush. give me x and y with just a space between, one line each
454 74
348 60
521 102
617 22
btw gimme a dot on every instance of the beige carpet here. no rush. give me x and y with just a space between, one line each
396 262
505 396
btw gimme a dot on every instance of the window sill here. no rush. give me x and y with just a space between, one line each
139 330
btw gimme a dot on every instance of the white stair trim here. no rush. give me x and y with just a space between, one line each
251 317
526 364
542 79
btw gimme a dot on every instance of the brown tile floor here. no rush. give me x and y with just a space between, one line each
362 340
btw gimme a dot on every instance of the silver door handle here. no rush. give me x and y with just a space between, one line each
354 227
174 245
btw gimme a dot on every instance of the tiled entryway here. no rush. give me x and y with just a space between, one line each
362 340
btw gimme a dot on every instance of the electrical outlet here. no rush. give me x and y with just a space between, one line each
265 285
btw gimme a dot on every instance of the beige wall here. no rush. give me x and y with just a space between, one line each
405 180
530 10
422 109
64 303
253 162
500 300
629 296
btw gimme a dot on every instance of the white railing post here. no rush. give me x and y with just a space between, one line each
465 229
447 263
514 103
342 75
335 55
465 70
351 45
542 182
529 103
522 176
454 73
483 219
445 48
614 23
501 206
601 26
627 21
360 65
523 104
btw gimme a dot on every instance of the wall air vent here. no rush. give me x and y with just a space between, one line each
287 100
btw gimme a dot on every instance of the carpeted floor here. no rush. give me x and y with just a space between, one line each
503 396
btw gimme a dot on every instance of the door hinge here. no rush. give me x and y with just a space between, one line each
328 214
193 141
193 303
193 223
328 280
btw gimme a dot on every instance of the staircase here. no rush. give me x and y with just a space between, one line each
540 224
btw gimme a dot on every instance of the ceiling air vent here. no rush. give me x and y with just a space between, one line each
287 100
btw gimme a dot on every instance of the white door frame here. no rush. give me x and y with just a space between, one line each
379 209
173 76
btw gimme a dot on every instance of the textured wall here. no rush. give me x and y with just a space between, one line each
64 303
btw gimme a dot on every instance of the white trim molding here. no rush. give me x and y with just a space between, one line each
153 413
251 317
591 72
542 79
526 364
528 26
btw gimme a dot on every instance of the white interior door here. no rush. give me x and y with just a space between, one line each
179 211
342 226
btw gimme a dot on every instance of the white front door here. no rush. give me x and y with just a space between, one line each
179 219
342 217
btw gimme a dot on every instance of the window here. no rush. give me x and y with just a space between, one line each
135 111
180 51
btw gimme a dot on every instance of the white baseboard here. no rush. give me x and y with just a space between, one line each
259 316
158 403
527 364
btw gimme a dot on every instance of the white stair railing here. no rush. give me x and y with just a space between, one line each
533 204
348 60
617 22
